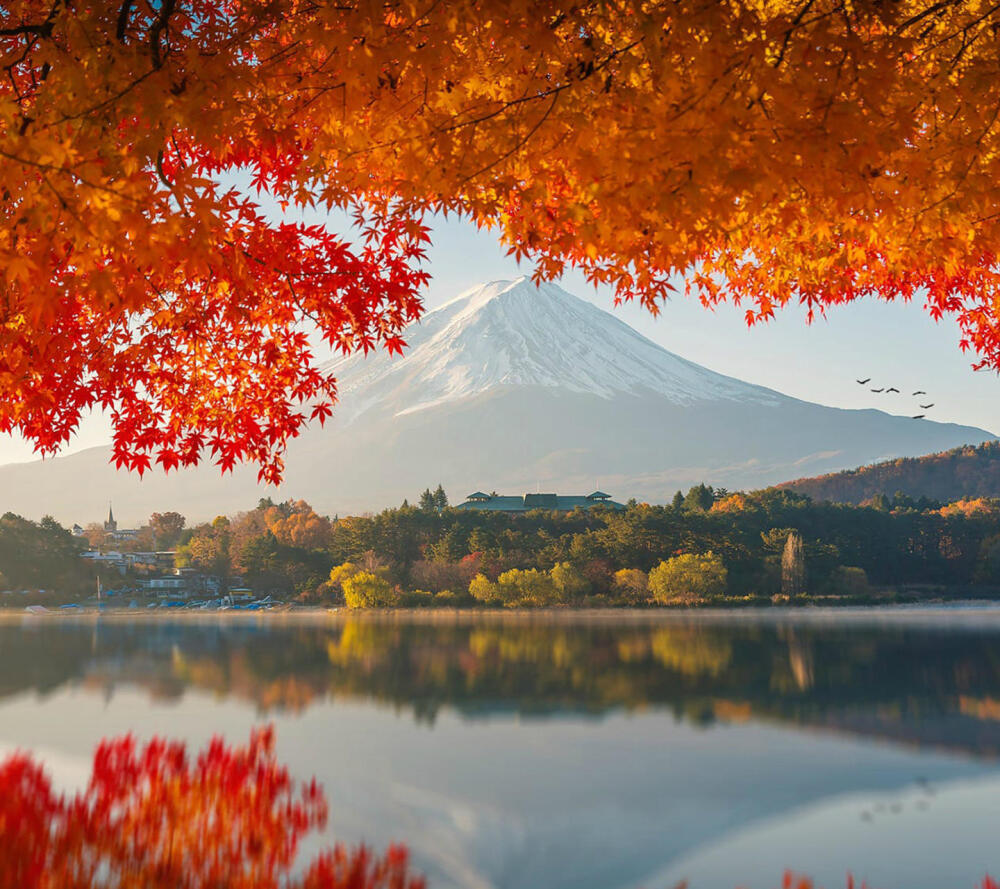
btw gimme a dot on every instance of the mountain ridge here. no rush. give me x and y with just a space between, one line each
509 387
560 341
963 472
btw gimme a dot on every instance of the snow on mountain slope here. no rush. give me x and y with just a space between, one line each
512 333
509 387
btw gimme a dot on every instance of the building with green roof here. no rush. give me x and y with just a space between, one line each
553 502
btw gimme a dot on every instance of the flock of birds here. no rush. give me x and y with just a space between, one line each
888 389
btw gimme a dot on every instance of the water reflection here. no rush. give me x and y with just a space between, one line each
911 684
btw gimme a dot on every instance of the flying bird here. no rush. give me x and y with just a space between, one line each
892 389
925 407
862 382
920 392
879 390
919 417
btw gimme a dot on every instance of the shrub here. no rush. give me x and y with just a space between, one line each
531 587
340 573
630 584
441 575
482 589
367 590
417 599
688 578
447 599
850 581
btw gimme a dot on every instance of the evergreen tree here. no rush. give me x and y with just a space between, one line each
678 501
699 498
880 502
427 503
440 498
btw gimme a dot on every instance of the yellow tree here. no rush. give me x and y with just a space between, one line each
768 151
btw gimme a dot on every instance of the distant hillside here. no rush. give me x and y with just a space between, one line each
969 471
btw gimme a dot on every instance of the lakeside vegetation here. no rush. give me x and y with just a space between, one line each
706 547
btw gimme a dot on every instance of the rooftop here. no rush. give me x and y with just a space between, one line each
524 503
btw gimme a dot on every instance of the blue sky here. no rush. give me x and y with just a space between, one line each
894 344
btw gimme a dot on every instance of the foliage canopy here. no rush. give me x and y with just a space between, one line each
790 150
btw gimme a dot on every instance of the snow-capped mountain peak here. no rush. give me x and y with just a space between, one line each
513 333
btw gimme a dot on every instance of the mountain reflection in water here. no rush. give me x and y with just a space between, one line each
578 752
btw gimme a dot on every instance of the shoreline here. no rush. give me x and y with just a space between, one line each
971 613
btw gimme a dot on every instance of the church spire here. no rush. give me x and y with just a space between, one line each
110 526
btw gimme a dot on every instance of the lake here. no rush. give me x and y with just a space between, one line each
585 751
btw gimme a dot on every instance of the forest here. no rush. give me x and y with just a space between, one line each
969 471
704 546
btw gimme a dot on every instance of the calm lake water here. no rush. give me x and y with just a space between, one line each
585 753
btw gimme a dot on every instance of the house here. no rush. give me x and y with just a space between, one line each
166 586
481 502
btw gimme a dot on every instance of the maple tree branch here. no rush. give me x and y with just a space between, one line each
123 16
159 26
518 145
790 31
54 169
42 30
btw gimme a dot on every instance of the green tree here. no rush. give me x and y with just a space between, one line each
880 502
569 581
440 498
688 578
427 503
848 580
678 501
699 498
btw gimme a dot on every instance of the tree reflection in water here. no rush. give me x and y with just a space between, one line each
912 684
151 818
232 819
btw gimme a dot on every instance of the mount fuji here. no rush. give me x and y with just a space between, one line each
507 387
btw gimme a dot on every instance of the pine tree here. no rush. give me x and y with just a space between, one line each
793 566
427 503
678 500
440 498
699 498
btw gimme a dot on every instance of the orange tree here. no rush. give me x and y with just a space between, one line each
767 150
